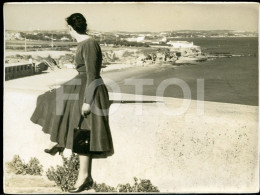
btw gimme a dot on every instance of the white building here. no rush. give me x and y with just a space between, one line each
158 41
136 39
140 39
164 39
131 39
17 35
64 39
13 36
163 34
181 44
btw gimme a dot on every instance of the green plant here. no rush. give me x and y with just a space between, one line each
103 188
27 57
125 188
34 167
18 166
18 56
143 185
65 176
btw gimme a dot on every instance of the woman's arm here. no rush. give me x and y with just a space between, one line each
90 55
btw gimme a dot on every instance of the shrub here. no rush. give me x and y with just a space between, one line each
144 185
103 188
67 58
18 56
27 57
125 188
18 167
34 167
65 176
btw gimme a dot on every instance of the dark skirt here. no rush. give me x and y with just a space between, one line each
59 112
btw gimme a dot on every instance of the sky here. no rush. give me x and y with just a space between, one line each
134 17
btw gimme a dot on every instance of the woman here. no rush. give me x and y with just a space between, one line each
84 99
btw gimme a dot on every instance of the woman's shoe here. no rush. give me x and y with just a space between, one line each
88 183
54 150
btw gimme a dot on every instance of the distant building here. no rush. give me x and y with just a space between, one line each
64 39
74 48
140 39
159 41
164 40
135 39
8 36
181 44
155 42
17 35
163 34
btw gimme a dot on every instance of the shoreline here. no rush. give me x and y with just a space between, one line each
53 78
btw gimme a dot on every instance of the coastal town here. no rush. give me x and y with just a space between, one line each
127 49
144 37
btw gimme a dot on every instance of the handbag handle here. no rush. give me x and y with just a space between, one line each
80 121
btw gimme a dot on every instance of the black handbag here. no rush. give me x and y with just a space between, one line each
81 139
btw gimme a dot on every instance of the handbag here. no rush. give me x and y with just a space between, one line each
81 139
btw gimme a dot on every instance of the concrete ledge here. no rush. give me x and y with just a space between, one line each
213 152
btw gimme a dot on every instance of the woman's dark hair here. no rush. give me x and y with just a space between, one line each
78 23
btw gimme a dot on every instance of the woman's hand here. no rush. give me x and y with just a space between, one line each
85 110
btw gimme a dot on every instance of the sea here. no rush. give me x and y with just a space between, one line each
228 80
233 45
240 72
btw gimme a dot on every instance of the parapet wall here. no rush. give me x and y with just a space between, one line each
212 152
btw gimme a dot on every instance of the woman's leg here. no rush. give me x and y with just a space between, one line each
51 144
85 163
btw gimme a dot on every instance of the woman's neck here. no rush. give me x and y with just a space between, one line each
81 38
